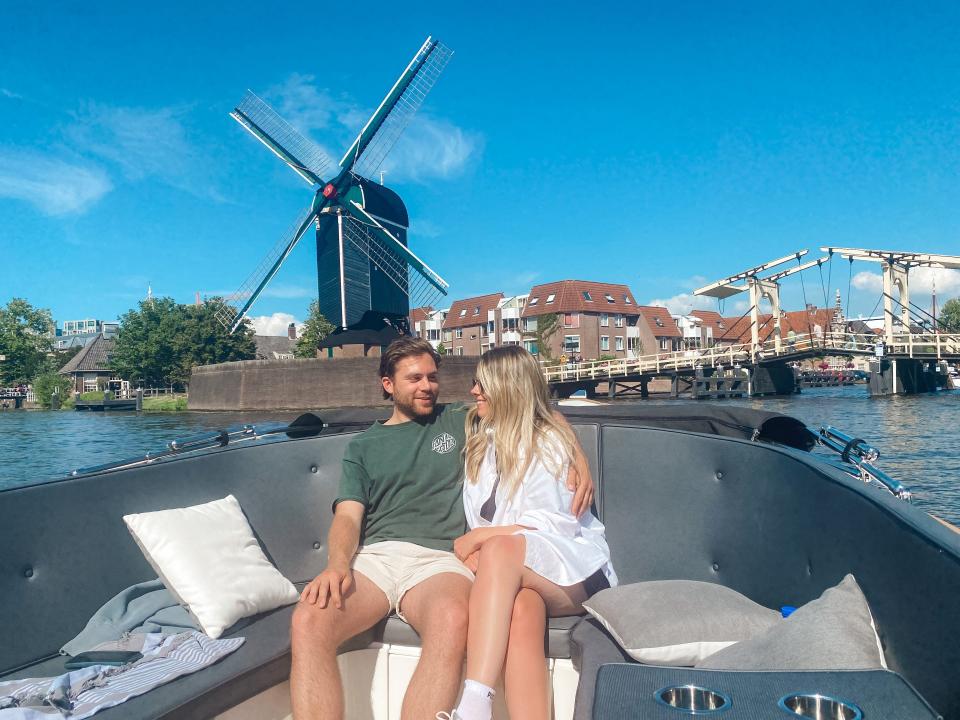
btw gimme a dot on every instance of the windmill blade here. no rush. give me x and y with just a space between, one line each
281 138
237 305
397 109
408 272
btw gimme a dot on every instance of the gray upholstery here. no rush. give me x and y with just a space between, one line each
767 522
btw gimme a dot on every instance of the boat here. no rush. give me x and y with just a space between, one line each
750 500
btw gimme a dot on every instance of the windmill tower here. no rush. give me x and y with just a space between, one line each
363 263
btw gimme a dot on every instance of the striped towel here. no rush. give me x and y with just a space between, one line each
81 693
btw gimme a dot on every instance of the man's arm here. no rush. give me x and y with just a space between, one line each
579 480
342 542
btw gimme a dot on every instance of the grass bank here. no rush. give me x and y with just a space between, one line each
165 403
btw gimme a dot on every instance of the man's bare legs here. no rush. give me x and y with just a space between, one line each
525 667
315 634
500 576
437 610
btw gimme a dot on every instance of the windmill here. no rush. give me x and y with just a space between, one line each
363 262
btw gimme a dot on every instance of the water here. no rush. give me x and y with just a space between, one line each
918 437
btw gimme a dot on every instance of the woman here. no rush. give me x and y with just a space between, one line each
523 538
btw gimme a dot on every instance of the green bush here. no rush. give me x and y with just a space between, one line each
45 384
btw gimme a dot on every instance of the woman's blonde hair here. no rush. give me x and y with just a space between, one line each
518 410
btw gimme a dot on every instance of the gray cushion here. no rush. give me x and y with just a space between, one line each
834 632
678 622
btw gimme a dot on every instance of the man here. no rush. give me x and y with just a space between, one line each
401 497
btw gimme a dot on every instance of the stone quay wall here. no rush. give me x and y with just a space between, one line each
309 384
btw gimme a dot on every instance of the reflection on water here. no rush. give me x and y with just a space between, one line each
918 436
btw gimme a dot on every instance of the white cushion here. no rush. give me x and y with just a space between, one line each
208 558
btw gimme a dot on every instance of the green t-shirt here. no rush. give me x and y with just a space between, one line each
409 478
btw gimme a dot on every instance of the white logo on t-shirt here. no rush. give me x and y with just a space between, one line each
442 444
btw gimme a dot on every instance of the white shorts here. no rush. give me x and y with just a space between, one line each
395 566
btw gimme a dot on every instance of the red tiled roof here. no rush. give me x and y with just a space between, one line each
474 310
667 326
800 322
419 314
571 296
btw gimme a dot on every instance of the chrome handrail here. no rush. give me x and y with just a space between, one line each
857 452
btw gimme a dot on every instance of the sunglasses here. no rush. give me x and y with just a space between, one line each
477 383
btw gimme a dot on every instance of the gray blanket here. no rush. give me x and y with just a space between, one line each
146 607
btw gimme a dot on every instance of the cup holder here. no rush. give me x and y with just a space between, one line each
692 700
819 707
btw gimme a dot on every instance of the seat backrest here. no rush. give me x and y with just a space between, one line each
66 549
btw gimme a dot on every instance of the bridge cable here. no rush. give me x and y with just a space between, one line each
806 306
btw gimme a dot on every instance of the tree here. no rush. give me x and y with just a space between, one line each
26 338
949 320
441 350
547 326
315 329
160 342
48 383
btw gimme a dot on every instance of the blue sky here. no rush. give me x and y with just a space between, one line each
662 145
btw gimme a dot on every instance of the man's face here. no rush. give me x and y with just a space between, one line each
414 386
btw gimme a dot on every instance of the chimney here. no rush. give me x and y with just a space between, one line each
292 331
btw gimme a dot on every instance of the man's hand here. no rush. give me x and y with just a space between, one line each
333 583
466 545
472 561
581 484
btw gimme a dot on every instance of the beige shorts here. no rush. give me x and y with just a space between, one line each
395 567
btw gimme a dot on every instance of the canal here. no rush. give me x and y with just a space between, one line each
918 437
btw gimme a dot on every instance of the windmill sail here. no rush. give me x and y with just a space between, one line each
237 305
408 272
397 109
283 140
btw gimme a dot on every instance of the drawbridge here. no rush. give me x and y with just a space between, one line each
909 355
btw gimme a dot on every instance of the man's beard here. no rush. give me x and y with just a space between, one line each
411 410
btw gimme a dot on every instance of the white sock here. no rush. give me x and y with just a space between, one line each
476 702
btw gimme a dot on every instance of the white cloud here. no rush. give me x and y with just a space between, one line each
683 303
430 147
288 292
922 280
145 143
53 185
275 324
425 229
10 94
866 280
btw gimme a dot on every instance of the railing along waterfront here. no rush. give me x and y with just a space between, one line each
912 345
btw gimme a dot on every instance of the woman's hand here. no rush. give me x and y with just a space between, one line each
473 561
466 545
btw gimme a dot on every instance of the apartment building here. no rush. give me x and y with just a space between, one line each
427 323
594 319
470 327
712 324
659 331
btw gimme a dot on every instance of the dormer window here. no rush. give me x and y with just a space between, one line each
463 312
658 321
627 300
534 301
609 298
586 296
551 297
476 310
721 325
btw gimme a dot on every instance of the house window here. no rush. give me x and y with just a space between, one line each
571 343
476 310
618 320
721 325
460 350
619 340
463 312
627 300
531 346
664 343
586 296
529 324
534 300
571 320
633 343
604 320
551 297
658 322
459 333
609 298
447 336
433 334
604 342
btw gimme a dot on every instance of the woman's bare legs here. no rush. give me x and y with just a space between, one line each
525 667
500 576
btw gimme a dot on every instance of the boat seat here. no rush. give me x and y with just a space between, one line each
261 662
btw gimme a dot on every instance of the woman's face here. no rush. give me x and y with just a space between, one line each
483 407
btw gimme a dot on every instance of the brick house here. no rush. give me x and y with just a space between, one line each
594 319
470 327
427 323
659 332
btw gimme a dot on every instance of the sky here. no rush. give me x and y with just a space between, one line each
663 145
